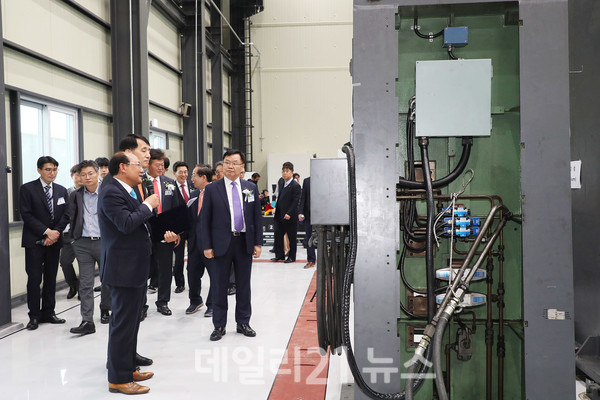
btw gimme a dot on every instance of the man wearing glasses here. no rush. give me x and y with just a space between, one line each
231 232
125 265
85 231
43 205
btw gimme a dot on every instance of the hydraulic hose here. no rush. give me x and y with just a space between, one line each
437 356
467 143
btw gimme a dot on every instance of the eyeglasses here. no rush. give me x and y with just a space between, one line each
139 165
88 175
50 169
181 172
229 163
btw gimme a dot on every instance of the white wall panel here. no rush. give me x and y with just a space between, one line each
52 28
166 120
29 74
99 7
164 86
163 38
304 11
97 137
302 100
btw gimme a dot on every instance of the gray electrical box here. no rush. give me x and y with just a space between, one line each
454 98
329 191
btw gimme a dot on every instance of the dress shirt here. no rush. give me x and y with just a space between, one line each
44 184
90 213
129 189
228 188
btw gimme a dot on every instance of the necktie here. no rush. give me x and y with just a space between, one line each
200 201
49 201
185 195
141 190
132 193
238 219
156 192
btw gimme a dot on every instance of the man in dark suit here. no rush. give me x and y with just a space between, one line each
162 253
231 232
124 267
197 262
304 215
185 187
286 213
44 210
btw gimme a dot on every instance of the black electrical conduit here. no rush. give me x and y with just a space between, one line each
429 268
467 143
348 280
419 34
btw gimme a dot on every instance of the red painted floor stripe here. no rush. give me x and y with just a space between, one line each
303 372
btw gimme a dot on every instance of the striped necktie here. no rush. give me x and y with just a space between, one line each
49 201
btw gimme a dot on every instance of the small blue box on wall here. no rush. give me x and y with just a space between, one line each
456 36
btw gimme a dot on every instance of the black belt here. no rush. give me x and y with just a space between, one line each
237 233
91 237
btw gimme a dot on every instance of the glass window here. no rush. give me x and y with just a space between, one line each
158 140
48 130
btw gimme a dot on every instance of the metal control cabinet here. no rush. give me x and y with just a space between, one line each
525 160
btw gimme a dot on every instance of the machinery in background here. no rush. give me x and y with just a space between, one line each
450 298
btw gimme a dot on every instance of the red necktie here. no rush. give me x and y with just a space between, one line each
200 201
155 184
185 195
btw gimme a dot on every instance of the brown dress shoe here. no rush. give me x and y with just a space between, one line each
309 265
127 388
142 376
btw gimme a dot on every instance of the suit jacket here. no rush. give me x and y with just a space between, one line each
170 196
287 202
36 214
215 218
193 234
304 207
126 245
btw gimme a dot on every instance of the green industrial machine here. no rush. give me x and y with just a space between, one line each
483 344
457 250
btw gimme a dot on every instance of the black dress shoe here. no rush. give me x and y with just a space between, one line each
245 330
144 313
164 310
72 292
275 259
104 317
33 324
85 328
53 320
179 289
231 290
142 361
217 334
98 288
289 260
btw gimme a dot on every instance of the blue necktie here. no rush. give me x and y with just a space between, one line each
132 193
238 219
49 201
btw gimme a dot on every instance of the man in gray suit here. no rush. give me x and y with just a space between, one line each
85 231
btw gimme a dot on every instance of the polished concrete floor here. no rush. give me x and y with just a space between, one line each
51 363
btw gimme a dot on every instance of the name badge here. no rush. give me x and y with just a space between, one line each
60 201
250 199
168 193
